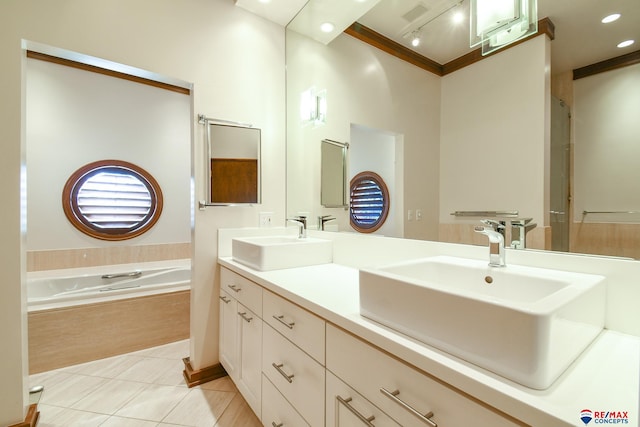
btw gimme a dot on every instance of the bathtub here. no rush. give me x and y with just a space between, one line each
80 315
69 287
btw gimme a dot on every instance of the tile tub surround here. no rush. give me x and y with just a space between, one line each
77 334
139 389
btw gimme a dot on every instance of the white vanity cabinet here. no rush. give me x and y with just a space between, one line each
241 335
286 356
408 396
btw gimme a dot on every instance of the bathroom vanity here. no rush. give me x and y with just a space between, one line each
296 345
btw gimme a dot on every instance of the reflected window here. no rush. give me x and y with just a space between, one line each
369 204
112 200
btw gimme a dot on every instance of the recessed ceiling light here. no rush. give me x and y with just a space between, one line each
626 43
458 17
327 27
610 18
415 42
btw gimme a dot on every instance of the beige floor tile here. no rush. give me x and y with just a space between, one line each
153 403
173 375
106 368
48 414
111 396
150 370
127 422
220 384
200 408
175 350
69 390
74 418
237 414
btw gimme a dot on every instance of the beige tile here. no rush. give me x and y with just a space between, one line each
106 368
153 403
74 418
200 408
220 384
151 370
69 390
111 396
238 413
127 422
175 350
48 414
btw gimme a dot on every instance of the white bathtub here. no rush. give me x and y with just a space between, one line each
69 287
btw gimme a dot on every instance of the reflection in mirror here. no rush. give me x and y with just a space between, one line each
233 164
333 174
582 197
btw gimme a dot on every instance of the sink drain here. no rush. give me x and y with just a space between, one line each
488 279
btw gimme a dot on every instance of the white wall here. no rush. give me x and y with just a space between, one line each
494 142
235 61
90 117
607 130
371 88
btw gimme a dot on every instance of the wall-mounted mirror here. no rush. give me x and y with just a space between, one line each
333 174
372 88
233 163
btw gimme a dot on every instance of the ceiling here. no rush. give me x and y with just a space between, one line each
580 38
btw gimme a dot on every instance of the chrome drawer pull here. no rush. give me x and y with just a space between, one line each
225 299
235 288
273 423
284 322
283 373
393 396
244 316
354 411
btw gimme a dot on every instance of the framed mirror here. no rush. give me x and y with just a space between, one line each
233 162
333 174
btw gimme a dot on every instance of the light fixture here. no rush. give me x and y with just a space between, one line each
327 27
626 43
610 18
415 39
497 23
313 107
458 17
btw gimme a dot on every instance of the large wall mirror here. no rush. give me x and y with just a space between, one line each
233 163
456 159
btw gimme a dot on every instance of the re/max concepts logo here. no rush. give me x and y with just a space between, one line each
604 417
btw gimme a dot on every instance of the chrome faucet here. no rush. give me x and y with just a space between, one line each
301 221
324 219
496 245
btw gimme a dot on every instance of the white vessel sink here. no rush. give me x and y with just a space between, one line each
526 324
266 253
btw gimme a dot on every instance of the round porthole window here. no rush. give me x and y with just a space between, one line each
369 204
112 200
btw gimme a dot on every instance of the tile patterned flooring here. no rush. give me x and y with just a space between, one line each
140 389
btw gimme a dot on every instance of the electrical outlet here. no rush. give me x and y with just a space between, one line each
265 219
409 215
418 214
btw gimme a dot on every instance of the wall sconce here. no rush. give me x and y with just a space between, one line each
498 23
313 106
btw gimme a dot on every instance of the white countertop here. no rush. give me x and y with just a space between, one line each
606 377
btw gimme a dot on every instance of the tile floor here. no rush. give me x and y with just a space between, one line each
141 389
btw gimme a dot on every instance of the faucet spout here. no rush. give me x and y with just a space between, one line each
496 246
302 226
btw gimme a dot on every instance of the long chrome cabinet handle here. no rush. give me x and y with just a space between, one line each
280 319
244 316
354 411
393 396
273 424
283 373
234 288
225 299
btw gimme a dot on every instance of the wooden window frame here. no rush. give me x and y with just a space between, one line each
371 176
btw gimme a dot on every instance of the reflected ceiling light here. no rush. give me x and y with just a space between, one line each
610 18
415 39
626 43
458 17
327 27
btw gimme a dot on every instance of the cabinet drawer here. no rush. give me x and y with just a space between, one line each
371 372
297 376
276 411
304 329
242 289
346 407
